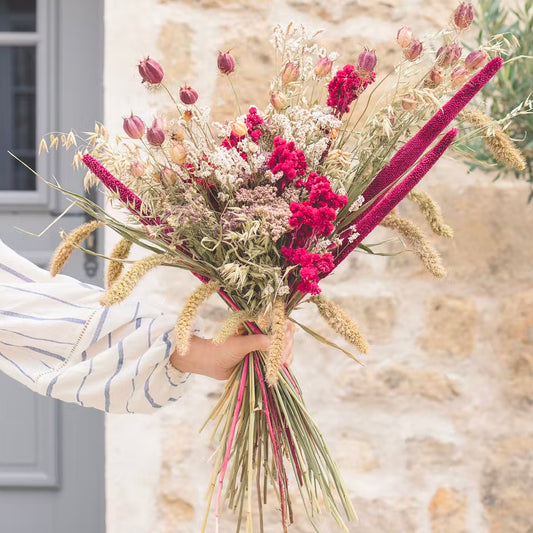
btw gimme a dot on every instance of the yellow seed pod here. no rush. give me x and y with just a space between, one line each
239 128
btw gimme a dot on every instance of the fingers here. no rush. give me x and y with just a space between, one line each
238 347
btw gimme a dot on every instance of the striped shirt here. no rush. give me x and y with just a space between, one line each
56 339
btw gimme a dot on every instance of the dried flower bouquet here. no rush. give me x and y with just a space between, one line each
264 206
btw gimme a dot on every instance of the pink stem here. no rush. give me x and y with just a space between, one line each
273 437
233 428
379 210
408 154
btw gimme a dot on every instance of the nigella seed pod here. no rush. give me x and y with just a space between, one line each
225 62
178 154
367 61
463 15
476 59
408 102
413 50
134 126
323 67
151 71
155 136
459 75
168 177
278 100
239 128
291 73
188 95
436 75
404 36
137 169
449 55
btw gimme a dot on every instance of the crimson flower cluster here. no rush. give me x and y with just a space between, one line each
312 218
311 266
287 159
345 87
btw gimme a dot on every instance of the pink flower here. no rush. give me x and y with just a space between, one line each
345 87
151 71
287 159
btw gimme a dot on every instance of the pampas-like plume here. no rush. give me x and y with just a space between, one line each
122 288
339 321
498 142
431 210
73 239
231 325
414 236
115 268
274 360
184 323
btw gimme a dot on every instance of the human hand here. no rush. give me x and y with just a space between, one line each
218 361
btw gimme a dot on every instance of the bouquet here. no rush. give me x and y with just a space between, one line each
264 206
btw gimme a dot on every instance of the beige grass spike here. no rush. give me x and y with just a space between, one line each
432 211
73 239
274 360
340 322
115 268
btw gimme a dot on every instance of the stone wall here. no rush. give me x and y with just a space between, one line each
435 433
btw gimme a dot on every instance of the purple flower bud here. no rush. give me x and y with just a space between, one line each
169 177
408 102
155 136
476 59
413 50
404 36
449 55
188 95
151 71
459 75
367 61
463 15
134 126
436 75
137 169
278 100
323 67
290 73
225 62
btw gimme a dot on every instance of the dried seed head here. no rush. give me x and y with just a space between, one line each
155 136
177 136
436 75
449 55
151 71
476 59
323 67
291 73
225 62
178 154
367 61
278 100
137 169
187 115
239 128
404 36
408 102
168 177
463 15
413 50
459 75
133 126
188 95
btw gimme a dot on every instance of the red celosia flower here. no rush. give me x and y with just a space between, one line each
287 159
312 265
345 87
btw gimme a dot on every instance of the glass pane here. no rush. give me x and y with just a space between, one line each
18 15
18 112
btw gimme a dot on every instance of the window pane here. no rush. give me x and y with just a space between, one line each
17 15
18 112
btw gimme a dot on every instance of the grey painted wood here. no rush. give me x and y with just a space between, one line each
52 453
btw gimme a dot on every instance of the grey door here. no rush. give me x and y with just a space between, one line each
51 453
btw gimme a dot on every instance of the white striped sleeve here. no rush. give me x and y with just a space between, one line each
57 340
